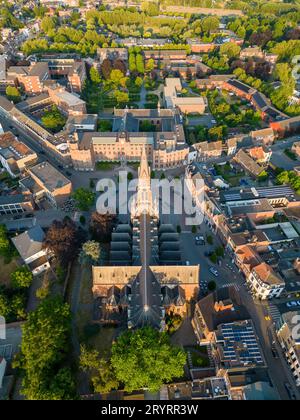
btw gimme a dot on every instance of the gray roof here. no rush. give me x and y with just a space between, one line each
260 391
6 104
29 243
50 177
13 199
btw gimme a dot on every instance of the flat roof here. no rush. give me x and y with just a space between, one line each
11 147
69 98
13 199
49 176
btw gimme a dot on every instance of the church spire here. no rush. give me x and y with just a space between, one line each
143 203
144 169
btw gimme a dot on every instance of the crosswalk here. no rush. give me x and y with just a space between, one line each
236 286
210 356
274 312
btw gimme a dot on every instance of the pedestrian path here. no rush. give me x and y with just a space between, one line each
236 286
274 312
210 356
190 361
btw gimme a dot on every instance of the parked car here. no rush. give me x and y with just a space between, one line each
214 271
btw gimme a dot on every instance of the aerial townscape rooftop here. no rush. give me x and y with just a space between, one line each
150 202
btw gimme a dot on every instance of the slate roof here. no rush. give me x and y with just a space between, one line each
30 242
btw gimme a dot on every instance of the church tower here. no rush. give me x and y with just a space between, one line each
143 202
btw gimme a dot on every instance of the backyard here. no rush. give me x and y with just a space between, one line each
198 356
6 270
230 174
232 112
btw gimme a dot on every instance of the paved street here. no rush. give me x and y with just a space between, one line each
278 368
279 158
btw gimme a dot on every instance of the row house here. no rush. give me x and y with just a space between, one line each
260 154
265 283
290 341
286 126
264 137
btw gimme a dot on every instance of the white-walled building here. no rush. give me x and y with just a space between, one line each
29 245
289 339
265 283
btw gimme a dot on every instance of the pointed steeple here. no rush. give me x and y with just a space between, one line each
144 169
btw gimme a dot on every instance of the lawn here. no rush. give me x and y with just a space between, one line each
8 180
93 335
199 356
290 154
231 177
6 270
106 166
102 341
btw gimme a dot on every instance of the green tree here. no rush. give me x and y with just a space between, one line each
230 49
150 65
121 97
48 24
209 239
132 62
150 7
21 278
44 348
102 374
53 120
145 359
283 178
283 72
18 306
213 258
4 241
138 82
216 133
212 286
94 75
104 125
5 308
220 251
90 252
117 78
210 23
13 94
140 64
84 198
42 292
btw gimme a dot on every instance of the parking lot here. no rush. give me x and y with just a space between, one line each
195 253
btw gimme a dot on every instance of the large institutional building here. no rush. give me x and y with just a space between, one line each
146 275
79 144
164 142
